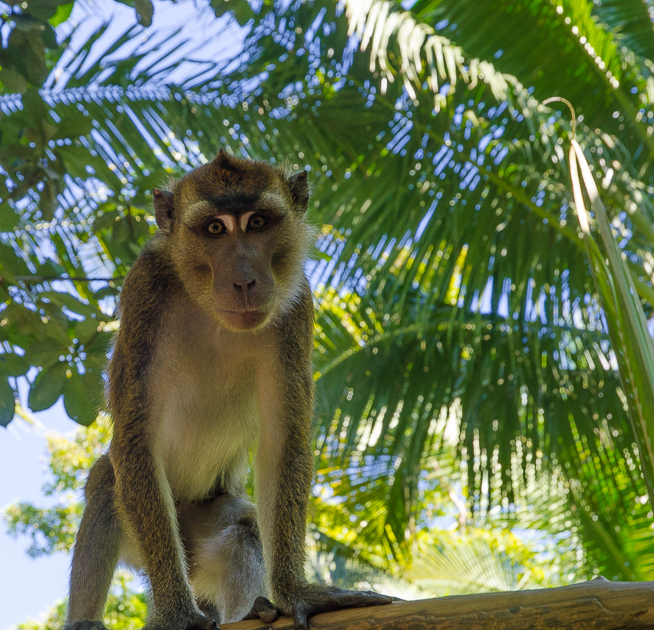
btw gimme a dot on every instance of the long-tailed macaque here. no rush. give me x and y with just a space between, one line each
213 355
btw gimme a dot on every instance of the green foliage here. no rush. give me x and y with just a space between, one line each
458 317
125 610
626 320
53 529
352 520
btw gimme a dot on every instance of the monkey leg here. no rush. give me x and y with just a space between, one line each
96 550
225 556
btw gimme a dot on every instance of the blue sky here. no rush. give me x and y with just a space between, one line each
28 586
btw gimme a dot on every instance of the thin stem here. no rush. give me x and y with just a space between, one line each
572 111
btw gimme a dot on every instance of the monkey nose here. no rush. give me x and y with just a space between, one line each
245 287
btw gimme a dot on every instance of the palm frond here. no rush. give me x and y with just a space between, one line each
378 24
560 50
631 23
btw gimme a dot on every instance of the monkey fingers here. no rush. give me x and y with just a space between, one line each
316 599
263 609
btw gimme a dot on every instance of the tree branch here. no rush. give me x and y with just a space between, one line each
590 605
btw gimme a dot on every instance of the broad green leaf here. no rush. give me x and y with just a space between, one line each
47 350
50 269
12 81
47 387
144 10
7 402
10 263
87 329
8 216
240 10
49 201
83 396
75 124
46 9
100 342
13 364
76 159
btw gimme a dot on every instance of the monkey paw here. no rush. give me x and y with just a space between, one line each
263 609
314 598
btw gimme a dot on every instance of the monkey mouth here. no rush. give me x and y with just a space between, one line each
244 319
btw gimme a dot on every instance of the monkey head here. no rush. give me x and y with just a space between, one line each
237 234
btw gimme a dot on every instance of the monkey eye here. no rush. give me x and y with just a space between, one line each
215 228
257 222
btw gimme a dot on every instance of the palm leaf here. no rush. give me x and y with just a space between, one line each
597 75
419 49
630 21
625 317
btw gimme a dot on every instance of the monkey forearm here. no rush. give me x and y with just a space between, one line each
284 474
289 545
146 504
284 469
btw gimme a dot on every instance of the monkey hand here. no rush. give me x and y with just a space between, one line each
310 599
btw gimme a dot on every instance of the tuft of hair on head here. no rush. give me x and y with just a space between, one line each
225 161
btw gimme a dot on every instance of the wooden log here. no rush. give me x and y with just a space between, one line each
596 605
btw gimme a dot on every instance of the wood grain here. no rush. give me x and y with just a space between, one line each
596 605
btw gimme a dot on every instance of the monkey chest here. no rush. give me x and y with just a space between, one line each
206 419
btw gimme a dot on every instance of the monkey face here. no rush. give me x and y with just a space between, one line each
238 236
237 245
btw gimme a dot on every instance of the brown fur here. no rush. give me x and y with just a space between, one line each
213 354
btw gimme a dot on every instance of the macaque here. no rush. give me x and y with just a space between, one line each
213 356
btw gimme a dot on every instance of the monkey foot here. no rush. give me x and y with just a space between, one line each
263 609
314 598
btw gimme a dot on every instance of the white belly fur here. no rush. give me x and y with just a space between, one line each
204 408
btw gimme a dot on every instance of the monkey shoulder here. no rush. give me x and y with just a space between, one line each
148 290
151 283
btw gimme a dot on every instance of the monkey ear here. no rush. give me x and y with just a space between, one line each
225 161
299 187
163 209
